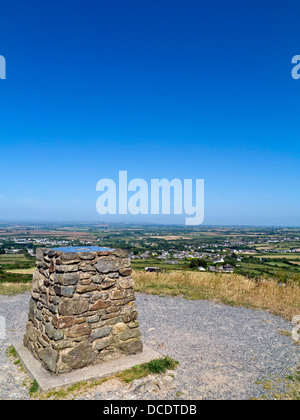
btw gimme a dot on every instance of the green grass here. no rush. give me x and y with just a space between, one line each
34 387
156 366
12 354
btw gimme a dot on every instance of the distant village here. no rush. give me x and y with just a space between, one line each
214 255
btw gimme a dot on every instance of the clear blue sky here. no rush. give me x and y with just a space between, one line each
162 89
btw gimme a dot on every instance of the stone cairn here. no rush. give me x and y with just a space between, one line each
82 310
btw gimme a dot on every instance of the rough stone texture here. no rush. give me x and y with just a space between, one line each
82 310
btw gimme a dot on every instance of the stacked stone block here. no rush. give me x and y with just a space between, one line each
82 310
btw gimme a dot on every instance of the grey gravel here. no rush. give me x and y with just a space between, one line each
15 311
222 351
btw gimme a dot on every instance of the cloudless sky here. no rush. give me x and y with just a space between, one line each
162 89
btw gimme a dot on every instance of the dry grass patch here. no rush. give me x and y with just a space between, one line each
230 289
11 289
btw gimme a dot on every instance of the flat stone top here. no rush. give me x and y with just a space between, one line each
82 249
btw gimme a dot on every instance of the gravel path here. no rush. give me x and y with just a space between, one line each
222 350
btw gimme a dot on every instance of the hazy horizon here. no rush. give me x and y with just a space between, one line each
97 222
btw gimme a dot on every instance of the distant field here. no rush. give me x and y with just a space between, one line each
289 256
16 262
265 247
21 270
141 264
12 259
169 238
44 233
